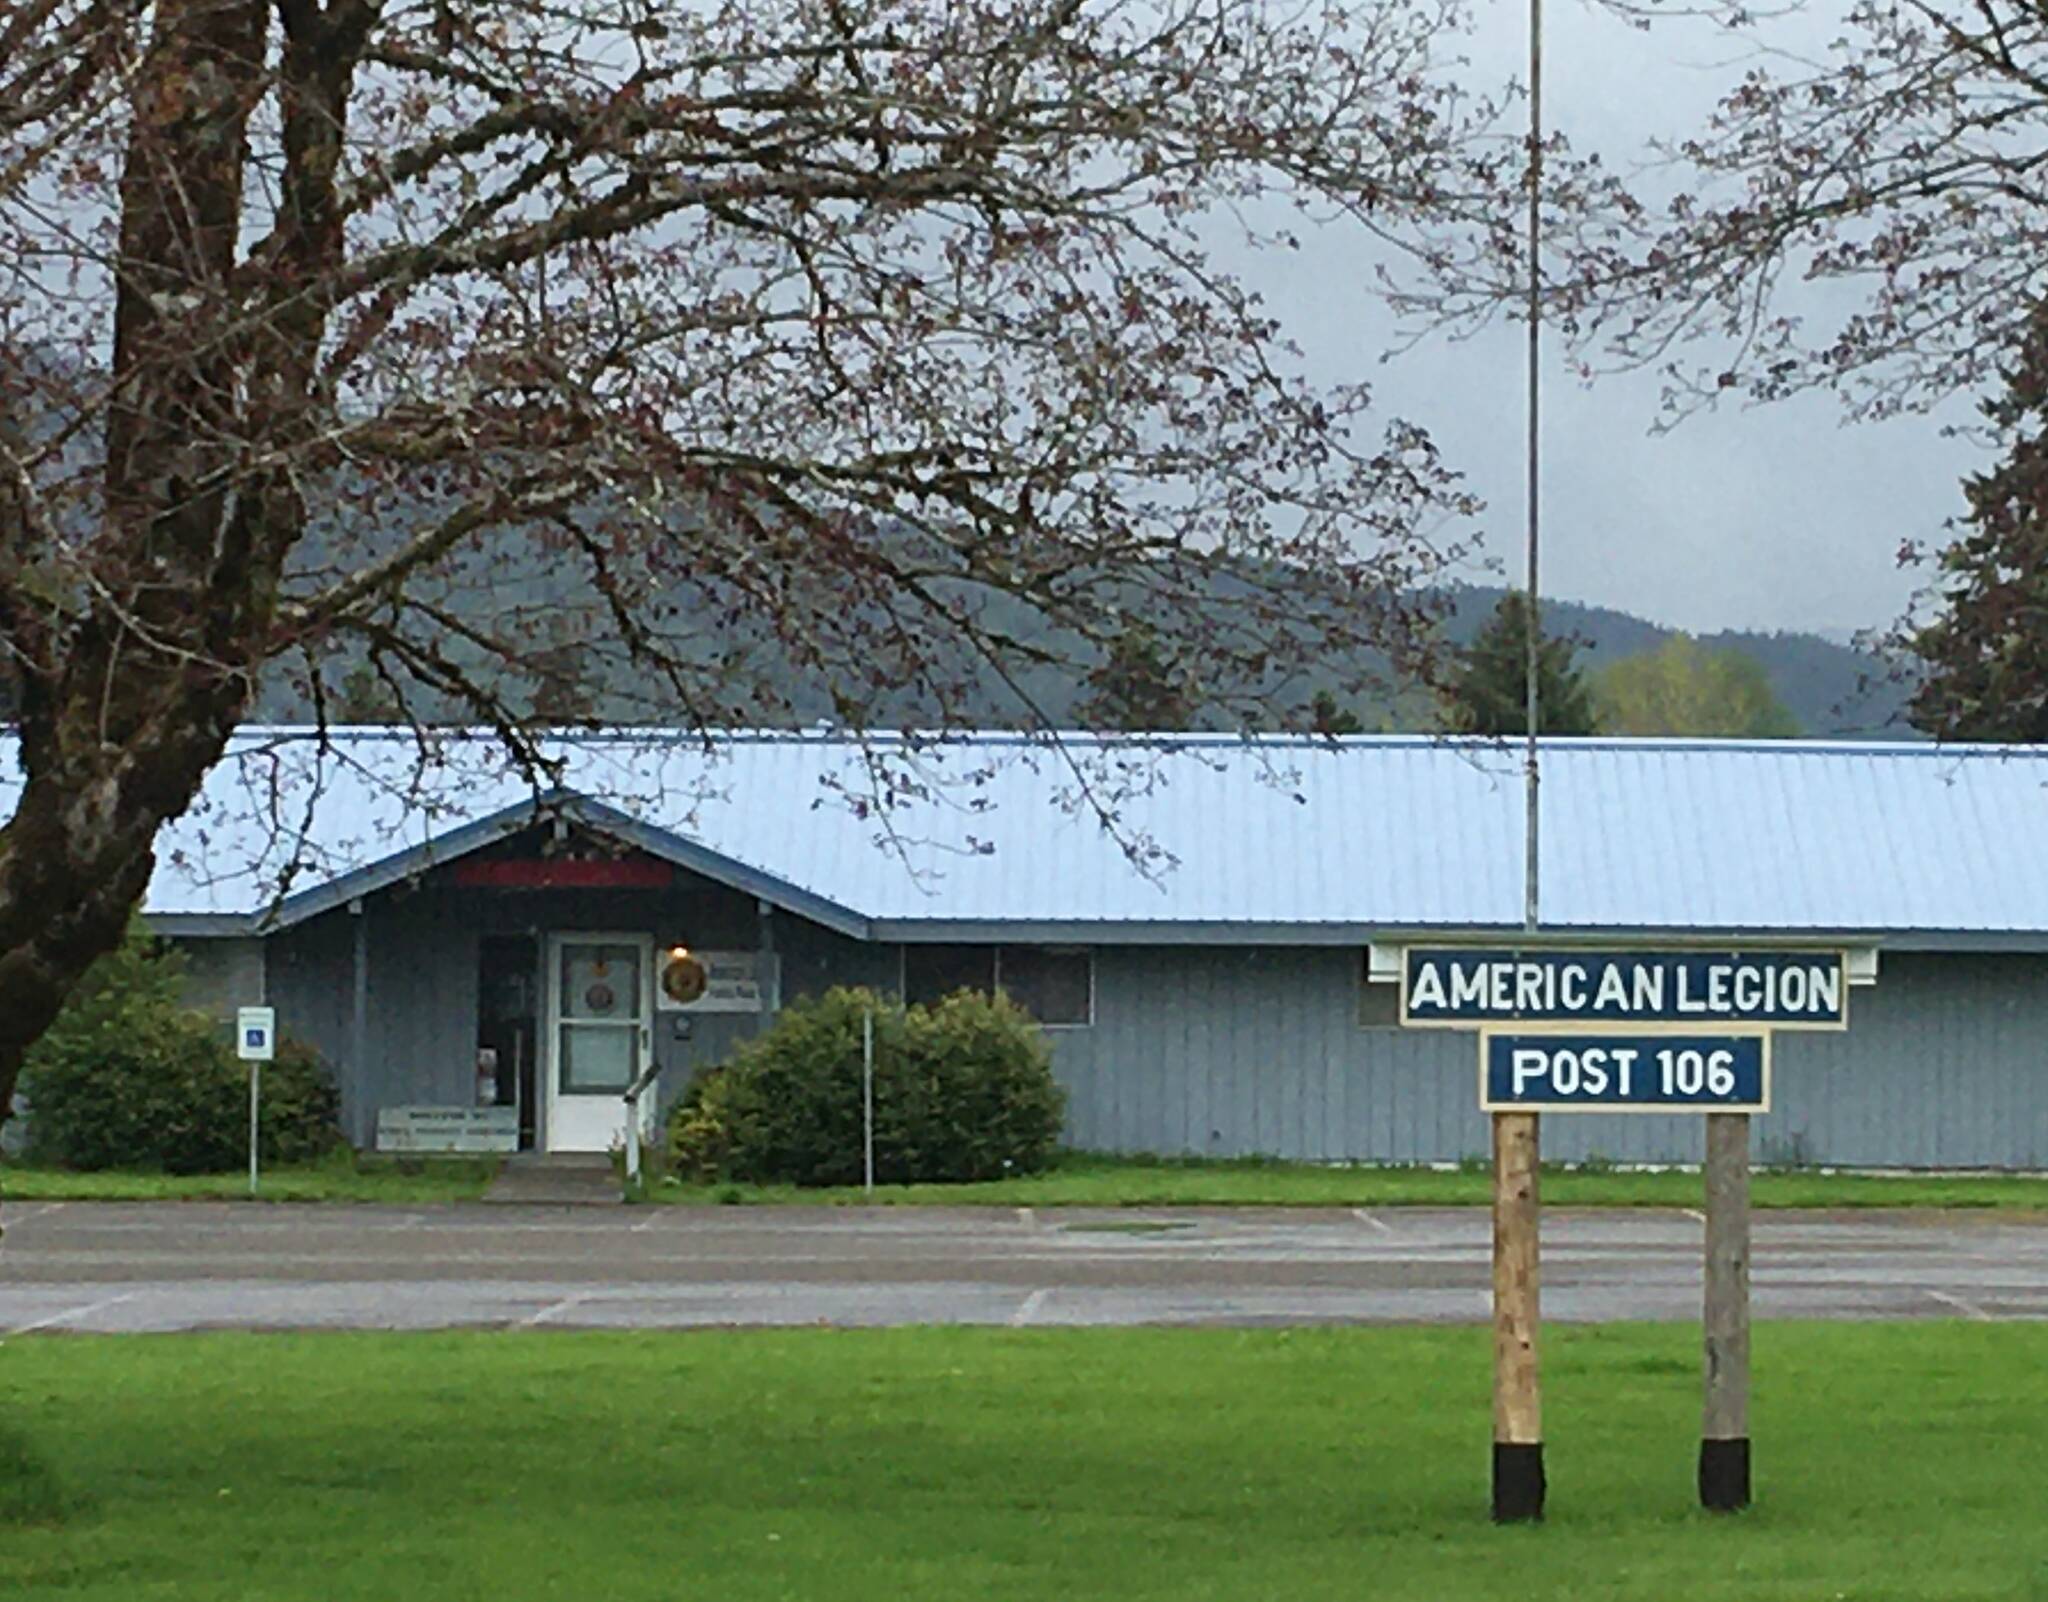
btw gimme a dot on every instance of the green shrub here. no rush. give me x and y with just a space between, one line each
963 1090
128 1077
299 1108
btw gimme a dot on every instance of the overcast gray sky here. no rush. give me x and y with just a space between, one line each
1775 518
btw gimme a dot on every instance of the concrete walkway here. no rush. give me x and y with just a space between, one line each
109 1267
556 1180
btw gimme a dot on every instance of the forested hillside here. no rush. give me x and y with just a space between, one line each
1833 690
575 670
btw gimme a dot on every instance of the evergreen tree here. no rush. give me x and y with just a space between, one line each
1987 648
1134 687
1328 717
1488 690
365 697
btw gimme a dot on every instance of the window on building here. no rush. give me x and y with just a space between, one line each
1379 1004
1055 984
931 973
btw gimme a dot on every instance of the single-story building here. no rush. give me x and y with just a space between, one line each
1192 919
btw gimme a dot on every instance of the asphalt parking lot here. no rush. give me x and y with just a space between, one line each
97 1267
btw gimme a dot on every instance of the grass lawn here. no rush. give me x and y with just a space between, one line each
1900 1462
345 1178
1084 1181
1076 1181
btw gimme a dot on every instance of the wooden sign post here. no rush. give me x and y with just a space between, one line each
1570 1028
1518 1482
1724 1418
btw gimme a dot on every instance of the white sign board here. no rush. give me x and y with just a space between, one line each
448 1129
1457 987
256 1033
732 982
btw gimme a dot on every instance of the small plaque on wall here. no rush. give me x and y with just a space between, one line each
713 981
447 1129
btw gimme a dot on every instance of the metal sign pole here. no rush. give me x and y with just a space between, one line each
255 1044
255 1102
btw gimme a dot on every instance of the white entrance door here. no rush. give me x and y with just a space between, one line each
600 994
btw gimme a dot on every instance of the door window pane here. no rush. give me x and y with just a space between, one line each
1055 986
601 981
597 1057
931 973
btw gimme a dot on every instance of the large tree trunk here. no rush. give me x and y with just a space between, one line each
128 702
74 861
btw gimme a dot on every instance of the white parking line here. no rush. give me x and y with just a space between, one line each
70 1313
1694 1214
554 1308
1028 1308
1365 1217
1027 1217
9 1218
1966 1308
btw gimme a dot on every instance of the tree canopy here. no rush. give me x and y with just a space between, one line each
1682 688
850 331
1864 216
1985 646
1486 690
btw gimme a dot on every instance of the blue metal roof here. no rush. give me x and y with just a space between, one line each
1201 837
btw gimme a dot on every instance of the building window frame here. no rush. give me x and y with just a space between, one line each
1085 953
996 950
1377 1007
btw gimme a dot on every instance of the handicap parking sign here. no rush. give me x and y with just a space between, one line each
256 1033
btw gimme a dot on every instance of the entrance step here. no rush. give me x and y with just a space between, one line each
557 1179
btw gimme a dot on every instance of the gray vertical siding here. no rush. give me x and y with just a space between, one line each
814 959
308 972
221 975
424 947
1219 1051
420 1045
1228 1053
1259 1052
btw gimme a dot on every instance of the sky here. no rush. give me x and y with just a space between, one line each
1781 517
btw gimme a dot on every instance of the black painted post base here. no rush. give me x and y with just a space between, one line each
1518 1484
1724 1475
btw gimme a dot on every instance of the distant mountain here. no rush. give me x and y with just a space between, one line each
1833 689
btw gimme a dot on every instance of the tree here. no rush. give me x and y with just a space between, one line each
1986 647
360 698
1863 217
1680 688
1488 688
1135 688
845 330
1329 717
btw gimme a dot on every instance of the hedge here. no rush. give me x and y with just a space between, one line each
962 1090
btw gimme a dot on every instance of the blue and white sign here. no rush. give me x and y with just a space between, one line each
256 1033
1461 987
1619 1072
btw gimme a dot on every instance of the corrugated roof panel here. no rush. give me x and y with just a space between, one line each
1387 832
